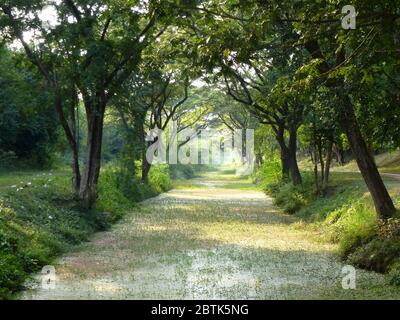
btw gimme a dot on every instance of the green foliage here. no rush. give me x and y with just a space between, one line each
39 219
289 197
120 189
269 173
28 124
112 199
346 216
352 224
12 274
7 159
394 273
379 248
159 179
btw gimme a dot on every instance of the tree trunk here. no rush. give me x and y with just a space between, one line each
321 158
339 154
88 186
327 168
382 201
294 168
285 156
76 175
314 158
145 168
259 159
71 138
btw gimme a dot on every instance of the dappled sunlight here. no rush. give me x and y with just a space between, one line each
201 243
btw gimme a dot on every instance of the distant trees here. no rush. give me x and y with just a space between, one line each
28 126
151 102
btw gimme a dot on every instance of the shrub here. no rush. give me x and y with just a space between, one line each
379 248
378 254
119 189
346 215
40 219
269 173
12 274
289 197
394 273
115 193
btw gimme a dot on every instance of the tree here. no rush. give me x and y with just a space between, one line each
316 28
28 130
151 102
92 48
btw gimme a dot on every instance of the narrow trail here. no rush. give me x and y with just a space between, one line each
215 237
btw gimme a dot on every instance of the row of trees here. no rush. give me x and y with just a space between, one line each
289 63
293 63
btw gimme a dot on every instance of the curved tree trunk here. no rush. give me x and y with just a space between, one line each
382 201
71 138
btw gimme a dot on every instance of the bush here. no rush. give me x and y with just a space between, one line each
289 197
12 274
159 178
379 248
114 194
270 173
346 215
7 159
394 273
378 254
40 218
119 189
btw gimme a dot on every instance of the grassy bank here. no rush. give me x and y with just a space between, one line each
40 218
345 216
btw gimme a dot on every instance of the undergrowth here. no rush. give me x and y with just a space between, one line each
345 215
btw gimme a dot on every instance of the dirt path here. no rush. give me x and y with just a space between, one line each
216 237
